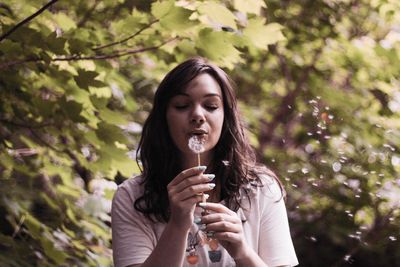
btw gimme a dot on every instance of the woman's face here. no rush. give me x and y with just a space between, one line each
198 110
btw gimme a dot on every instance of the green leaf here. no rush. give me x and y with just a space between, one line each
8 47
110 133
261 35
161 9
56 44
69 191
172 17
126 166
85 78
218 14
218 47
112 117
101 91
130 24
64 22
249 6
49 249
72 109
34 226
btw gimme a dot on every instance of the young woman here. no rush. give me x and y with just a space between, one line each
160 218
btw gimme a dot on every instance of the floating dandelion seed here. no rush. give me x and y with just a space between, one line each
395 160
389 146
336 166
225 162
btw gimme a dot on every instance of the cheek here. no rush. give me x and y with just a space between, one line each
220 120
218 123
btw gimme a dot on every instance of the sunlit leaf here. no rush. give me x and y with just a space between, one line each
262 35
249 6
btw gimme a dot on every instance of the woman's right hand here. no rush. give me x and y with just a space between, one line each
184 192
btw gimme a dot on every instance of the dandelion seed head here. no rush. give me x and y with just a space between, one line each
196 144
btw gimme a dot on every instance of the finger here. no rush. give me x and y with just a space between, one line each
195 190
193 180
224 226
216 207
187 173
220 217
188 202
227 236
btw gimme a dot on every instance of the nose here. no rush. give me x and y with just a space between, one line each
197 115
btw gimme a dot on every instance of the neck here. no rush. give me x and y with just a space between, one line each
191 160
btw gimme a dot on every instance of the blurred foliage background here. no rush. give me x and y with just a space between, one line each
318 84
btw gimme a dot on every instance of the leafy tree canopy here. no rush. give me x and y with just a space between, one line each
317 82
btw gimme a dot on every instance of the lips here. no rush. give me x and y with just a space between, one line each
198 132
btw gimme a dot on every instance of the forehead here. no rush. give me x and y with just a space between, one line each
203 84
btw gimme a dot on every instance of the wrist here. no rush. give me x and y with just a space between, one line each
243 255
248 258
177 229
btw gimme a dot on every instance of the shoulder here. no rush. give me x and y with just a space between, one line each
131 188
265 186
271 187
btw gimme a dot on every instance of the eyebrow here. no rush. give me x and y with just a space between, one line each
207 95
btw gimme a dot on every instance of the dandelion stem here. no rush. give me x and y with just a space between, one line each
198 159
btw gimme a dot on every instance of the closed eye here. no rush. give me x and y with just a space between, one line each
181 107
211 107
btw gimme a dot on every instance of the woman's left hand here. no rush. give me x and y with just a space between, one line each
227 228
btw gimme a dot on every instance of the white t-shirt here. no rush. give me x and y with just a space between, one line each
265 227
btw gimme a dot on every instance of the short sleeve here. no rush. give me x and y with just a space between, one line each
275 243
133 239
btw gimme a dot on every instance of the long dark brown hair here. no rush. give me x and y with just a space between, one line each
234 161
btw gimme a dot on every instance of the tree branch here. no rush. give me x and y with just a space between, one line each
41 140
283 64
127 38
286 107
26 125
95 57
37 13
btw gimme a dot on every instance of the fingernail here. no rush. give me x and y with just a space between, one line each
197 220
202 227
209 176
211 185
202 168
202 204
210 234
